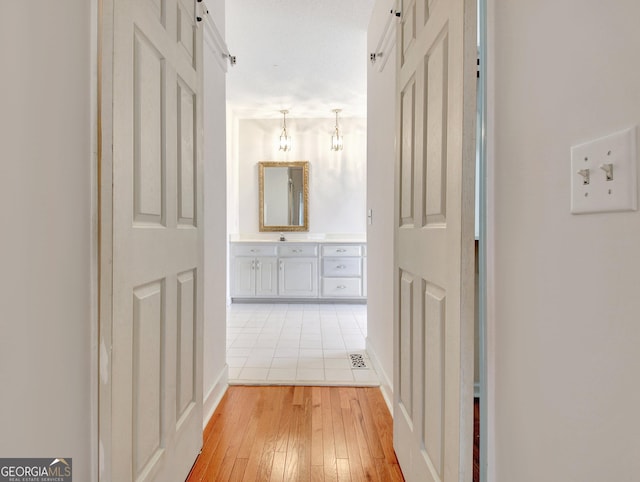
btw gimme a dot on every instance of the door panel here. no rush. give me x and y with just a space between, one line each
187 159
152 242
148 380
433 383
186 344
244 276
298 277
267 276
435 170
149 154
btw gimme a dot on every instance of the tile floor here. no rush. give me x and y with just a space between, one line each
297 344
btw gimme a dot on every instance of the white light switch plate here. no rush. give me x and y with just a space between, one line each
601 195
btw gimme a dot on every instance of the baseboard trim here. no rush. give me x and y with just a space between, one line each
215 394
386 386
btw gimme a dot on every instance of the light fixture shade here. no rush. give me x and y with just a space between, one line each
285 142
336 139
285 139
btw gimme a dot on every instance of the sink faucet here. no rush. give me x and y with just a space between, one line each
282 238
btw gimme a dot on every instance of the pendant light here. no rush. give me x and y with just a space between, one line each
336 138
285 140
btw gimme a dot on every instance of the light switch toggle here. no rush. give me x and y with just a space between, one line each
608 169
586 176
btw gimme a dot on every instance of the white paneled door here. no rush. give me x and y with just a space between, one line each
434 237
151 240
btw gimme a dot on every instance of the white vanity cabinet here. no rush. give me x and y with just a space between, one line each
298 276
342 271
254 272
298 271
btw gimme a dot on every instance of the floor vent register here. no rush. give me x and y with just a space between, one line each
357 361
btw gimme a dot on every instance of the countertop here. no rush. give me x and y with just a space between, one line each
298 239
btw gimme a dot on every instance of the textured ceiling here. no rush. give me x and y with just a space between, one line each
307 56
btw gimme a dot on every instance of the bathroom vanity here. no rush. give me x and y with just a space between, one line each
299 270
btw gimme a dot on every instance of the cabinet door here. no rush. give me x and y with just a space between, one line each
298 277
244 278
266 276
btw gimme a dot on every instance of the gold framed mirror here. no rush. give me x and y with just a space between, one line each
284 195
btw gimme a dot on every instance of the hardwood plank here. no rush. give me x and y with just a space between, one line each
344 473
355 462
221 421
338 426
277 470
330 472
292 454
250 435
298 395
304 437
328 440
225 457
369 426
396 473
383 422
282 437
264 467
361 442
317 452
237 473
317 473
272 398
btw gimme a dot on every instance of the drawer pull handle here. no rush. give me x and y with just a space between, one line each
341 266
296 250
253 250
341 250
341 287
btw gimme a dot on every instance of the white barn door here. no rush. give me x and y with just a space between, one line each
151 240
434 238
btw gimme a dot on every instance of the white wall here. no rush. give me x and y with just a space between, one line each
337 180
46 168
381 113
215 213
565 311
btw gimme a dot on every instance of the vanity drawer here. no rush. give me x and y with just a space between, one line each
254 250
298 250
341 267
338 250
341 287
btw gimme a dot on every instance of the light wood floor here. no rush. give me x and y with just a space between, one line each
298 434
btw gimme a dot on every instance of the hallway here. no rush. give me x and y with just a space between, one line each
299 433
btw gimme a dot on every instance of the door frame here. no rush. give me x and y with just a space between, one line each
95 19
486 11
104 234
